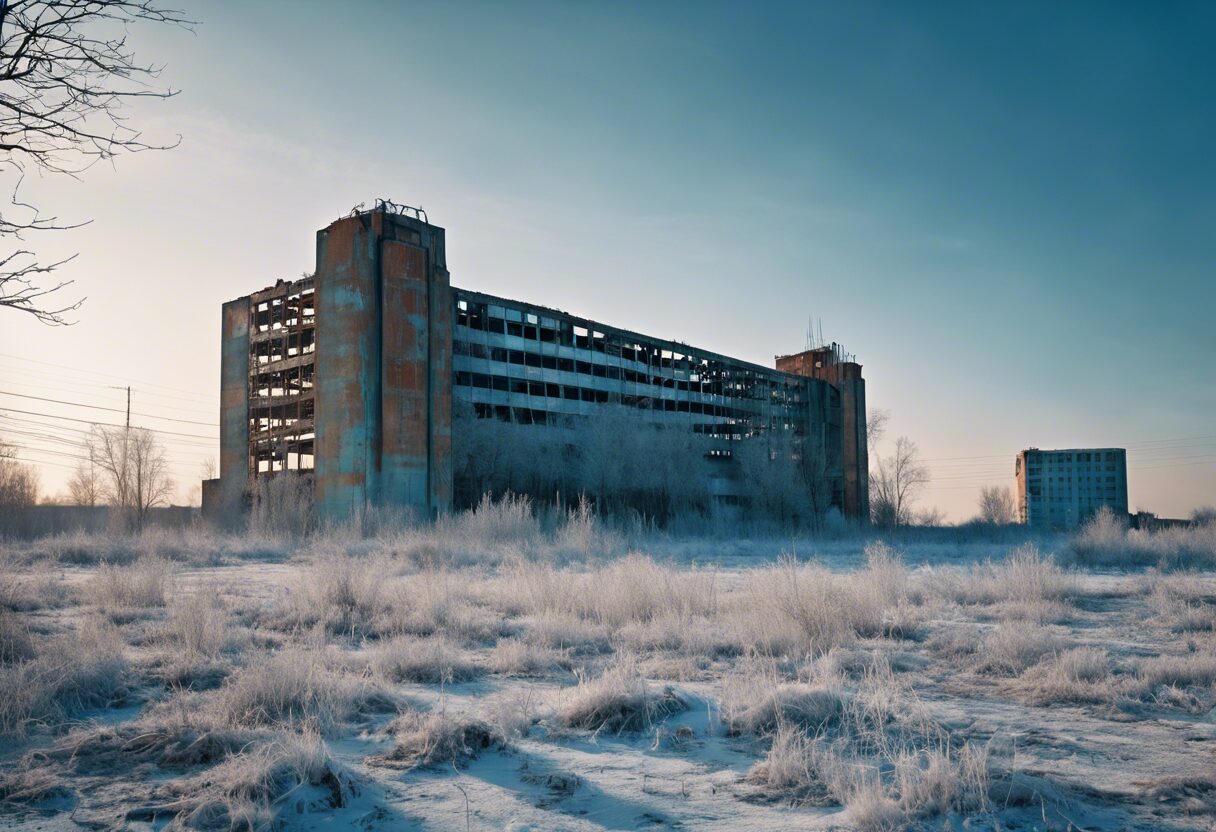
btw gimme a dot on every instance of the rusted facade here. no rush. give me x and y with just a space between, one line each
831 365
350 375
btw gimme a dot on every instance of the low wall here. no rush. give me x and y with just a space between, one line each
38 521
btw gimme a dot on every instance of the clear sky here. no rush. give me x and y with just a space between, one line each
1007 211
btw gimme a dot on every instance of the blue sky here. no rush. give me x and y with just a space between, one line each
1006 211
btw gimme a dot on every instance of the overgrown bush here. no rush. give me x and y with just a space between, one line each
66 674
618 700
1107 542
140 585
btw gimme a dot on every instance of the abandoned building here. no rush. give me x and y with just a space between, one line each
1061 489
351 376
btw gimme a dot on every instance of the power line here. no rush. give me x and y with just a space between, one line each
1178 465
111 409
1130 446
185 445
95 373
72 385
105 424
43 437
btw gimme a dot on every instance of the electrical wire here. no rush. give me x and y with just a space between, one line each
110 409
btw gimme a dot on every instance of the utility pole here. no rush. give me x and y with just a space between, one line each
128 389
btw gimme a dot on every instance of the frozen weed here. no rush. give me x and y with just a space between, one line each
70 673
518 657
618 700
1079 675
246 790
296 688
433 660
1010 648
437 738
139 585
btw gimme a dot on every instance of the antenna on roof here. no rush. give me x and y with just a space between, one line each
390 207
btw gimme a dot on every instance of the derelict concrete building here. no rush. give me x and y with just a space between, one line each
350 377
1061 489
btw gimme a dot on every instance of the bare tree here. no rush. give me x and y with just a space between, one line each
134 470
876 427
894 484
66 72
1204 516
85 485
997 506
18 482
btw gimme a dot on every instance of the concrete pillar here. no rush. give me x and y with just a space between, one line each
347 380
383 366
234 403
855 459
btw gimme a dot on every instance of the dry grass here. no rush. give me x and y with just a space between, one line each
299 689
517 657
1025 585
341 594
1076 676
808 707
437 738
15 643
618 700
817 668
247 790
882 758
69 673
30 785
757 699
1012 648
795 608
1191 670
139 585
1105 541
433 660
197 625
40 588
1182 601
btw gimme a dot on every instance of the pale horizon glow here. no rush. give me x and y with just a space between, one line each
1006 213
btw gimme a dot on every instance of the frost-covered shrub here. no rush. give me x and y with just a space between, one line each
245 790
342 594
1010 648
1190 670
618 700
437 738
761 709
1079 675
1106 541
296 688
432 660
67 674
140 585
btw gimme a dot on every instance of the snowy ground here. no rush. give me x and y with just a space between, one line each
348 687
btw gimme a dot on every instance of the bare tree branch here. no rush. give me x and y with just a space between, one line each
66 72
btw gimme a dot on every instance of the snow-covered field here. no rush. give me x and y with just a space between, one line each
487 675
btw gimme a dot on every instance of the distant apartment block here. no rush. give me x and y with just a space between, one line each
1061 489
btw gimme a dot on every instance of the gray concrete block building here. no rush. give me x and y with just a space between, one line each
1061 489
